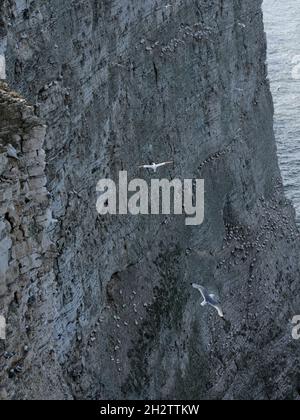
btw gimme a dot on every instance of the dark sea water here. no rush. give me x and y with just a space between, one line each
282 25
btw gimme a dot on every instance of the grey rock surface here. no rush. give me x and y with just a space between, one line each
101 307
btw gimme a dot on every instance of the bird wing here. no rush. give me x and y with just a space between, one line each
219 310
159 165
146 167
201 290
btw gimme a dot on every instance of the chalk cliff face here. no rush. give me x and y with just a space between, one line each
102 307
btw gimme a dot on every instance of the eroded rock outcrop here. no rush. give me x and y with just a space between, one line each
26 250
119 83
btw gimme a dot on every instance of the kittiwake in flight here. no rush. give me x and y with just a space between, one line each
209 299
155 166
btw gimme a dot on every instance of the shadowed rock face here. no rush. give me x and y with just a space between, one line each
119 84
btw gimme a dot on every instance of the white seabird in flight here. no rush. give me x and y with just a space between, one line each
155 166
209 299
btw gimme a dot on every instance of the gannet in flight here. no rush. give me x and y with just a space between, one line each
209 299
155 166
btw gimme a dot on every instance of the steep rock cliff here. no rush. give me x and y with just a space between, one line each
26 250
118 84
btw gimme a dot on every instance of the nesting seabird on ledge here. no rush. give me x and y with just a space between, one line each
11 152
2 67
209 299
